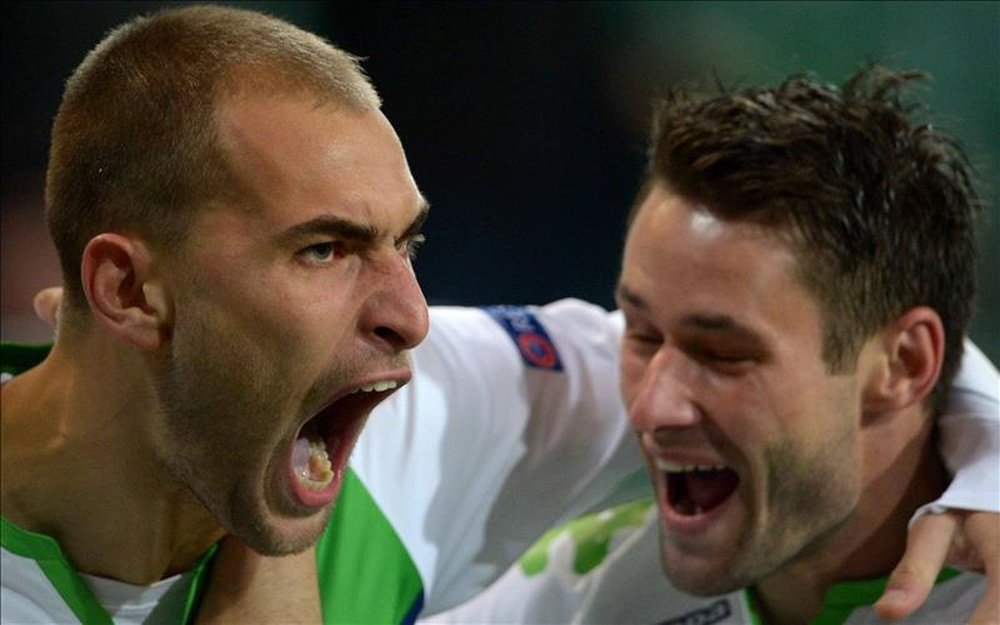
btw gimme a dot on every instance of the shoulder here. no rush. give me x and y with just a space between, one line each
530 331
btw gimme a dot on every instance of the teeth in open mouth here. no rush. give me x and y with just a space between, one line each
312 464
675 467
378 387
696 489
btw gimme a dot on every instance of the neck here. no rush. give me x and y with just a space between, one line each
902 471
78 466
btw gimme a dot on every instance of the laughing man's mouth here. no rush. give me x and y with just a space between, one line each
316 454
697 489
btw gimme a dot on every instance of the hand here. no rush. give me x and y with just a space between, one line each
962 538
246 587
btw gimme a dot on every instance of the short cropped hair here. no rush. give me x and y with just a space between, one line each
879 209
135 142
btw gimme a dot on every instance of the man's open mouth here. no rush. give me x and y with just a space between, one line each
324 442
696 489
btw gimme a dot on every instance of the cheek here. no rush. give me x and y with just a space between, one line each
272 319
230 358
817 434
739 417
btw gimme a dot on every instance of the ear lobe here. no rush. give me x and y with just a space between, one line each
116 273
910 363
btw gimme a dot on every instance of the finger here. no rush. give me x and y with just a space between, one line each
912 579
46 304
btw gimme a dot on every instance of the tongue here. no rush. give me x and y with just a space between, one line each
708 489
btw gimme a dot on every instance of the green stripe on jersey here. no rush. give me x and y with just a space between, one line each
366 575
591 536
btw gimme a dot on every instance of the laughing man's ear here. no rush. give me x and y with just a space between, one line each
910 363
123 293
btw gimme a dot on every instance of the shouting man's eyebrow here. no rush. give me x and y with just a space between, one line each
335 227
417 224
351 231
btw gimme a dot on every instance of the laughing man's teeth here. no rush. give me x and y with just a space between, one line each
378 387
676 467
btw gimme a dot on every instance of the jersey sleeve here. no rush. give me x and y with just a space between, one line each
970 437
511 424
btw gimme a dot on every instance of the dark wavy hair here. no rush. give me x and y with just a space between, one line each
878 207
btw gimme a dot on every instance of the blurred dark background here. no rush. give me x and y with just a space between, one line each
525 123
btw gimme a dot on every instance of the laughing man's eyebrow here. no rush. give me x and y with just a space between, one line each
624 295
701 321
718 323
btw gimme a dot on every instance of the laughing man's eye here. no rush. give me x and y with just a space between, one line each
644 339
726 362
644 343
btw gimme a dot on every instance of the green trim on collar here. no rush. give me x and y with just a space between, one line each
749 596
68 584
199 582
843 598
60 573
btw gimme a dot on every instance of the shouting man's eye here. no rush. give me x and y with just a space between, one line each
322 253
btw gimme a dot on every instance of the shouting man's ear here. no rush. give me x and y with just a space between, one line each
123 292
913 351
